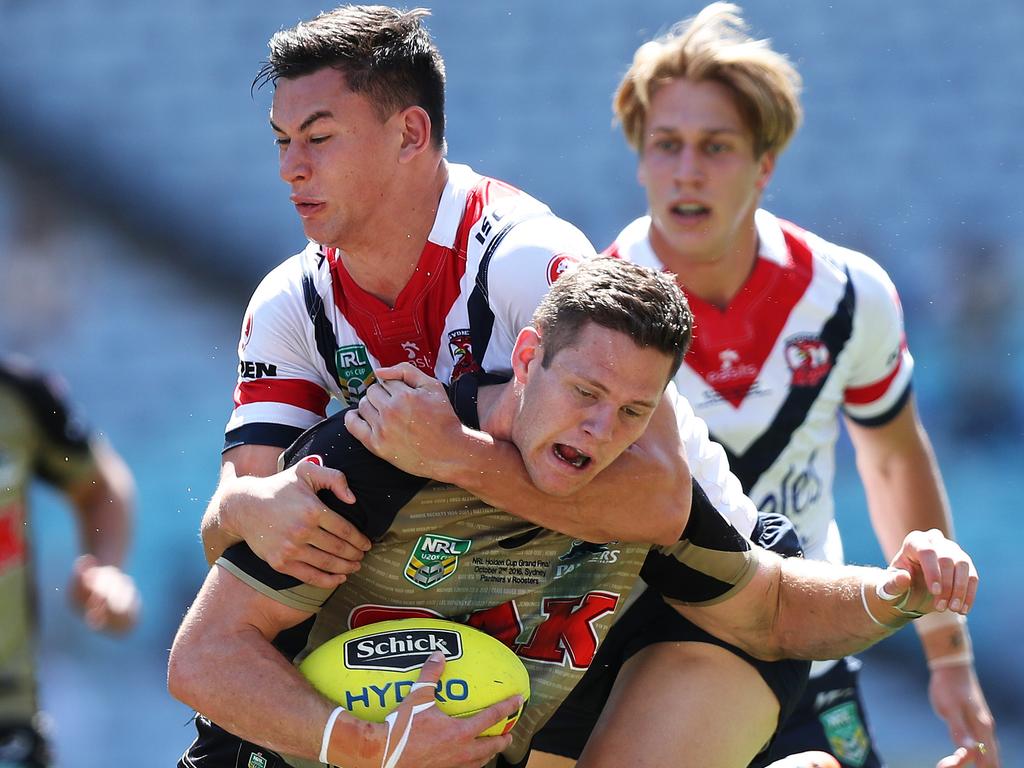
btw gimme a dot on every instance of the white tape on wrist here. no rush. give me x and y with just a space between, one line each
399 735
325 742
962 659
867 609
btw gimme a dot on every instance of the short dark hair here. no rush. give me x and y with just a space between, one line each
645 304
385 53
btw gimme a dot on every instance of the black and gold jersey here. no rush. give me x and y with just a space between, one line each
441 552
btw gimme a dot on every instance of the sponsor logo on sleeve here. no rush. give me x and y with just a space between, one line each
355 374
252 369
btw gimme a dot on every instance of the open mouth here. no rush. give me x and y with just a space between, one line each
571 456
691 210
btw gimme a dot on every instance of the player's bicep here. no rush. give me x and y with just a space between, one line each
746 616
256 460
227 604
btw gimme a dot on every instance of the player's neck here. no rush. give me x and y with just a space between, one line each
383 261
496 408
715 277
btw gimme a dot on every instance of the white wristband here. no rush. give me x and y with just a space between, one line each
962 659
326 740
932 622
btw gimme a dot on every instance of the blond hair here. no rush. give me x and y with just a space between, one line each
715 45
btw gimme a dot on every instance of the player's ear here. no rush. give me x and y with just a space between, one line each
526 350
767 166
415 125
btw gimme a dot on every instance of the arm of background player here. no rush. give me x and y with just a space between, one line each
796 608
280 517
905 492
103 503
223 665
407 420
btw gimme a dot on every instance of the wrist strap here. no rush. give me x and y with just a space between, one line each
326 740
962 659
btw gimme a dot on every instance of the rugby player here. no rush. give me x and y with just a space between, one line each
792 332
588 375
40 438
411 258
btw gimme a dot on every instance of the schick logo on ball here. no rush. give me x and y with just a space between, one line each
401 651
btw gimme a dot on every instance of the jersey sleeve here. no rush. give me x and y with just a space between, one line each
381 490
281 388
709 466
711 561
63 452
522 259
879 381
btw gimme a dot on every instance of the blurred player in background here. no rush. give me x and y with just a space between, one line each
41 439
411 259
791 332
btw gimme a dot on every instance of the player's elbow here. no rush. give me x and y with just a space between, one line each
185 669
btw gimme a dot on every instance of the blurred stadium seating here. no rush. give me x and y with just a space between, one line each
139 205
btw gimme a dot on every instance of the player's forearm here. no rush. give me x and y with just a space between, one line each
602 511
216 529
104 506
247 687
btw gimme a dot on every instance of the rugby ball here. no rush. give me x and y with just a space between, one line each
370 670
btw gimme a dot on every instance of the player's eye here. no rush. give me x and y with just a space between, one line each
318 139
585 393
282 142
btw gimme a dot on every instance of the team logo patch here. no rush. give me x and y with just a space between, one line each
355 374
461 348
246 331
257 760
401 651
809 360
434 559
846 733
560 263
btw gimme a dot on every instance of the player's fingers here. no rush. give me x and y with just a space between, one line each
328 563
322 478
404 372
357 426
503 711
894 585
310 575
959 758
961 583
426 682
339 537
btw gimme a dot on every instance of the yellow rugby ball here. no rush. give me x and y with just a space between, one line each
370 670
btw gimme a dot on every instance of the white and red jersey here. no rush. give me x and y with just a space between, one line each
310 333
816 330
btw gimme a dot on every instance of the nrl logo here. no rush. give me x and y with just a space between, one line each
434 559
355 374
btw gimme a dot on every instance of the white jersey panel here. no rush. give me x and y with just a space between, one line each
838 345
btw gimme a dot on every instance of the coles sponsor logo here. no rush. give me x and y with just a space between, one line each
401 651
461 348
559 264
809 360
730 368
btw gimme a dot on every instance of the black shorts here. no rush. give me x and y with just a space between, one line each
216 748
648 621
830 717
23 745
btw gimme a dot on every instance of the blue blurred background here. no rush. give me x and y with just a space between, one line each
140 205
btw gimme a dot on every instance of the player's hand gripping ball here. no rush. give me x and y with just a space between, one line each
370 670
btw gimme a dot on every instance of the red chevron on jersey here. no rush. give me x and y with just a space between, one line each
730 346
410 331
296 392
